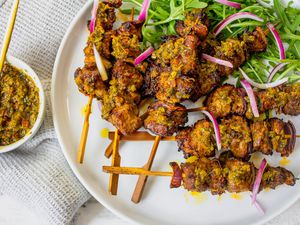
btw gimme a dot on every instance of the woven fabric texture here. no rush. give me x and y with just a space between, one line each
37 174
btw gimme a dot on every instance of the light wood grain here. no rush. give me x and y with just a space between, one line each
8 33
140 185
116 161
85 131
134 171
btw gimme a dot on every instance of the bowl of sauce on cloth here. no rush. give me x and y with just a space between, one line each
22 104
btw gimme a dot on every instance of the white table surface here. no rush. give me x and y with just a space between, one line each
93 213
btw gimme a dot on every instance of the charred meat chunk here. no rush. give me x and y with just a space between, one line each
126 77
120 108
172 75
256 41
197 140
195 22
164 119
125 118
105 16
124 46
209 78
260 137
292 106
90 83
231 50
282 136
202 175
272 98
114 3
132 28
240 175
236 136
226 100
274 177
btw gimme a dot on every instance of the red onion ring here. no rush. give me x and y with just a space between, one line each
258 206
277 39
263 86
143 56
275 70
251 96
213 119
257 182
216 60
229 3
144 10
94 16
233 17
100 65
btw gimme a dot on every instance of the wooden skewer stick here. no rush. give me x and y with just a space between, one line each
142 136
137 136
109 150
140 185
134 171
85 131
9 30
116 161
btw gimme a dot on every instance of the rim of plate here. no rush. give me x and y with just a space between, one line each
73 165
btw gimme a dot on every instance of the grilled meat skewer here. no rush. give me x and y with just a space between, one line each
239 136
231 175
118 48
228 99
217 176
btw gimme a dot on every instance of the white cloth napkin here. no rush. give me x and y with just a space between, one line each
37 174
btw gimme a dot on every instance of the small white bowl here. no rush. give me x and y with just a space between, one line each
27 69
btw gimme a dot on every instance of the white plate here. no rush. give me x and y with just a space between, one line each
160 205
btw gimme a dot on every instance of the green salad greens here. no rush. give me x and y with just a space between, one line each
162 16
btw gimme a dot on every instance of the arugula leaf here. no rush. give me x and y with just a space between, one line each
279 9
195 4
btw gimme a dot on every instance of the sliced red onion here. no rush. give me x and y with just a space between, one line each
257 182
229 3
251 96
275 70
143 56
100 65
216 60
278 40
177 175
258 206
213 119
263 86
94 16
144 10
236 16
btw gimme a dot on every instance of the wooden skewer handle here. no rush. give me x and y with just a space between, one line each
85 131
134 171
140 136
116 161
140 186
8 33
